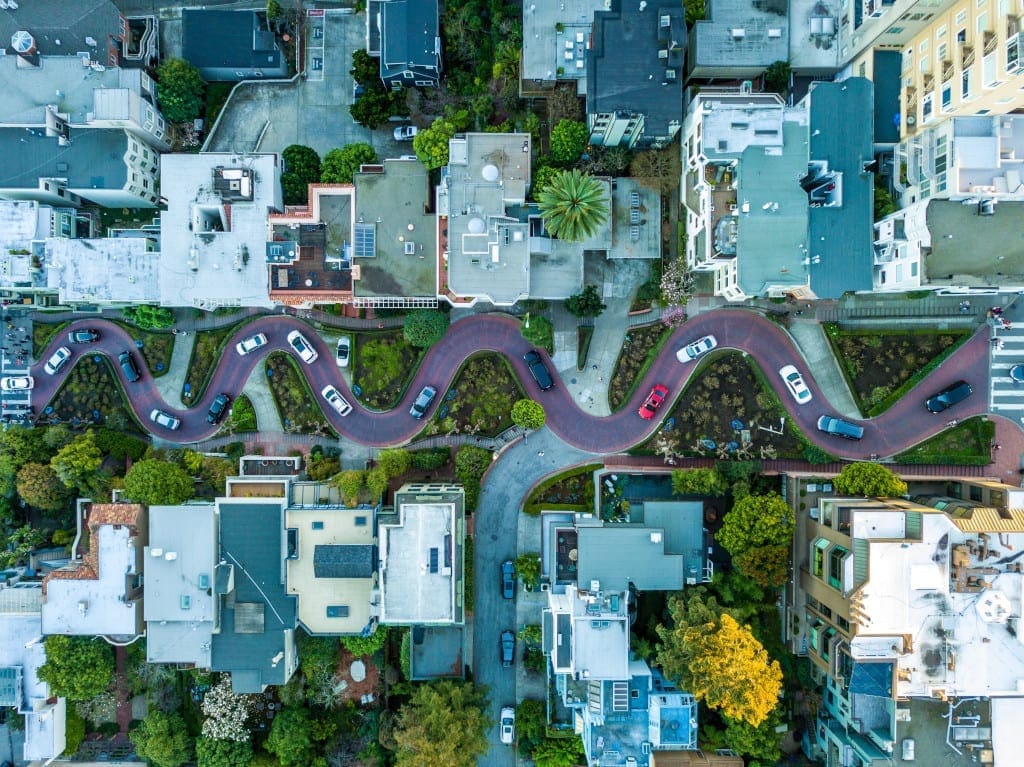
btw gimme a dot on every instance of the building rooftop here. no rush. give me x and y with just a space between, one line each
740 33
635 229
180 608
436 652
544 46
24 224
952 224
617 556
64 26
488 252
410 36
813 28
256 643
214 39
103 270
626 71
93 159
331 567
682 523
589 633
213 240
396 231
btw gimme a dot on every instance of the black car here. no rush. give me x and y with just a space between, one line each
86 336
951 395
218 408
508 579
128 366
508 648
840 428
539 370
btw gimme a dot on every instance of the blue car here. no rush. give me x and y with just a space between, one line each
508 579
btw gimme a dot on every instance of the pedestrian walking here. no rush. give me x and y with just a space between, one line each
540 453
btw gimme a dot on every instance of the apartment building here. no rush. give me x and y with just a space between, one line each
887 24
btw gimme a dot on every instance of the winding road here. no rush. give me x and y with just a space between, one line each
903 425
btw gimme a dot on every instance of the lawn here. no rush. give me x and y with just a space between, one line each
155 348
242 417
43 333
881 366
727 403
639 349
384 364
90 395
969 443
570 490
207 352
481 398
298 407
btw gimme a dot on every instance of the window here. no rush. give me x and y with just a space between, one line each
961 36
941 53
894 30
989 78
818 557
961 17
965 85
318 525
975 493
924 46
947 97
337 611
835 566
926 107
360 521
913 269
981 23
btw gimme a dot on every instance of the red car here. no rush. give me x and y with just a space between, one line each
653 402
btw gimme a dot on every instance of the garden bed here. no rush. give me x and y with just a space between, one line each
43 333
90 395
571 490
725 404
384 364
298 408
639 349
207 352
481 398
584 334
156 348
242 417
882 366
967 444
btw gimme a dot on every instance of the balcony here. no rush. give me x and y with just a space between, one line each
929 82
947 71
966 55
991 42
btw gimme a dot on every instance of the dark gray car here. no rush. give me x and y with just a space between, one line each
422 404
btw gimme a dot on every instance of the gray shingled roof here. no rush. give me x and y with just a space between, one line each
343 561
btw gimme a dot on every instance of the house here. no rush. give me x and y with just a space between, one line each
738 40
214 232
21 654
230 46
634 75
405 35
100 592
556 38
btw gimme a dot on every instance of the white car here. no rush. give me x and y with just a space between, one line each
508 725
344 351
57 360
302 347
690 352
335 400
17 383
405 132
250 344
168 421
795 383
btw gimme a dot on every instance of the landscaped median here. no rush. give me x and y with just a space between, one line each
297 406
966 444
641 346
207 352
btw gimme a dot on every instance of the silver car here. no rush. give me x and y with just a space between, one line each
335 400
168 421
302 347
692 351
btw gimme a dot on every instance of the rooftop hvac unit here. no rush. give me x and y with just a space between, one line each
157 552
774 34
170 556
738 34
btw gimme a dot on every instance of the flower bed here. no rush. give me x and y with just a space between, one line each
384 364
89 395
156 348
639 349
298 408
207 352
480 400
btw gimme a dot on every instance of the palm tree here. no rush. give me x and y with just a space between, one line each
573 205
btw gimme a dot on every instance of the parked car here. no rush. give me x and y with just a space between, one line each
692 351
343 352
508 579
17 383
795 383
335 400
508 725
250 344
840 428
57 360
128 366
653 402
422 404
951 395
218 408
406 132
508 648
539 370
302 347
160 418
83 336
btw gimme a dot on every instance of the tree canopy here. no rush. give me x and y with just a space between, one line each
77 462
301 168
568 141
573 205
528 569
162 739
586 303
431 144
374 107
340 165
869 479
442 723
291 737
77 668
559 752
180 90
149 317
776 77
154 482
361 646
757 520
39 486
528 414
223 753
698 482
425 327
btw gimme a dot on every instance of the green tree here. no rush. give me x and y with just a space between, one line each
541 178
57 436
155 482
884 202
20 543
374 107
776 77
425 327
273 11
568 141
349 483
539 331
162 739
871 480
39 486
301 168
76 463
698 482
376 483
470 464
180 90
363 646
340 165
291 737
149 317
696 10
760 744
442 723
528 570
77 668
366 70
585 304
559 752
531 725
573 206
757 520
74 731
318 655
394 461
765 565
528 414
431 144
211 752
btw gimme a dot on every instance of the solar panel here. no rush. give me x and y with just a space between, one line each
365 245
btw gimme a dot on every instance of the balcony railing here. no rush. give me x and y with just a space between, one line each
947 71
966 55
991 42
929 82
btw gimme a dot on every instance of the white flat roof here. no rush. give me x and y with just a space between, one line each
108 269
416 586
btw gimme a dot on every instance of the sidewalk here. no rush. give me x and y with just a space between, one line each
809 337
170 383
258 391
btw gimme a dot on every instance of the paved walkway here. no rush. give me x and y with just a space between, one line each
170 383
257 389
809 337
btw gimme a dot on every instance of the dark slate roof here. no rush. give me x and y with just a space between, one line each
840 130
94 158
230 39
251 539
69 21
343 561
886 70
872 679
409 36
624 72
